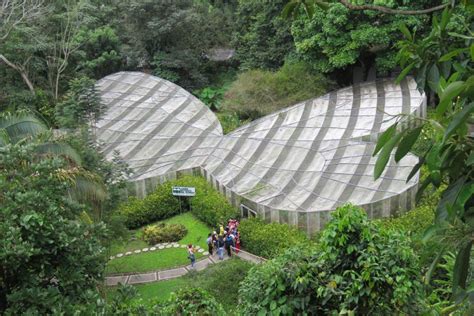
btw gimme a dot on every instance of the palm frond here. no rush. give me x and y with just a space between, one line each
85 218
59 149
289 9
86 190
15 127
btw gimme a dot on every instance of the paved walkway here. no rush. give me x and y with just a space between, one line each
160 275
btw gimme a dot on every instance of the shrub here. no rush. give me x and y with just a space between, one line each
415 223
191 301
230 121
208 205
212 97
163 233
357 268
269 240
81 105
256 93
50 259
217 279
156 206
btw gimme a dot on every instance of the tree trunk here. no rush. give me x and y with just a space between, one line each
24 75
21 70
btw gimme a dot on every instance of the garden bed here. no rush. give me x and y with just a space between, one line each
197 234
162 258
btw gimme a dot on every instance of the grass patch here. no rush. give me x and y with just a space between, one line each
162 290
159 259
220 280
197 230
197 234
131 245
149 261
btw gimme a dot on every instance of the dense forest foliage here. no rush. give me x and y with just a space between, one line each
60 198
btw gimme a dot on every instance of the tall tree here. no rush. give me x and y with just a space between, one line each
443 63
17 19
49 259
339 37
67 20
262 38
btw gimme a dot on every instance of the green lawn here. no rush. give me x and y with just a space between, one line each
159 259
197 230
160 291
216 280
149 261
197 234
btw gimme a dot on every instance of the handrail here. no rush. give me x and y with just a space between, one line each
236 251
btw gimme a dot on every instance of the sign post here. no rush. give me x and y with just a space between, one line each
183 191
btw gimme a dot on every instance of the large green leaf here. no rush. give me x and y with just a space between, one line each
416 168
466 37
469 90
424 184
407 143
385 154
406 32
309 7
449 200
466 192
433 78
430 231
421 77
384 138
445 17
458 119
432 158
470 159
445 69
451 91
452 54
405 72
461 266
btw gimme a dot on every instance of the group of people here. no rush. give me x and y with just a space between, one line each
227 238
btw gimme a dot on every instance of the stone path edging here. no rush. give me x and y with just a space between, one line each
166 245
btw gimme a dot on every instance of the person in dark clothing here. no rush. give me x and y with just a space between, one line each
209 244
229 242
214 241
220 247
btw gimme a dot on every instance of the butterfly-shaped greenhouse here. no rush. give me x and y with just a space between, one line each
294 166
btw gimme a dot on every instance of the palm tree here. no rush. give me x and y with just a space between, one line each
23 127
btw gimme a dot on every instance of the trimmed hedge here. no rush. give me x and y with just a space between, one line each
163 233
269 240
154 207
416 221
208 205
